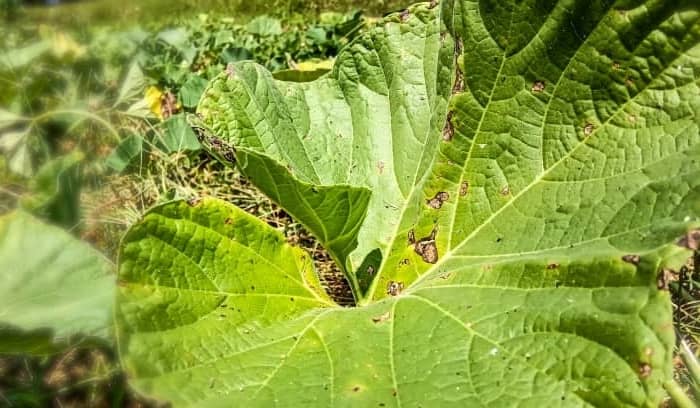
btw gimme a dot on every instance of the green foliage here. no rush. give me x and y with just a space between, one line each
52 289
205 46
500 182
9 8
54 192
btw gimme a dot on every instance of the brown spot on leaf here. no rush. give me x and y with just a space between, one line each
458 87
448 131
445 276
404 261
632 118
437 201
380 167
381 318
215 142
537 86
404 15
356 388
222 148
194 201
616 66
664 277
588 129
394 288
633 259
464 188
505 190
644 370
200 133
228 221
411 237
427 249
370 270
433 4
629 82
691 240
553 265
229 156
230 70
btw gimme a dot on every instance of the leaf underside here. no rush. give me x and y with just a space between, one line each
516 166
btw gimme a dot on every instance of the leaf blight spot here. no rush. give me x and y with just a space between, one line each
438 200
537 86
632 259
427 248
394 288
381 318
464 188
448 131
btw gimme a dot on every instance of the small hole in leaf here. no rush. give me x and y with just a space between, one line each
633 259
537 86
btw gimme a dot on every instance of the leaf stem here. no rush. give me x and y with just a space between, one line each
678 395
691 363
83 113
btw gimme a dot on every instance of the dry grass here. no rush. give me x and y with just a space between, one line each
124 199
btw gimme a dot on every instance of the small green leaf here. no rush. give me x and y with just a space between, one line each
317 35
18 58
15 146
133 85
264 26
235 54
9 119
192 90
54 191
52 287
178 136
122 155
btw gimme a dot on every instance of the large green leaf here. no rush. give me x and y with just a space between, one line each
566 123
215 309
52 287
497 179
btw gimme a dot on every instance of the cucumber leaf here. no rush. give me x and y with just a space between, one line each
500 181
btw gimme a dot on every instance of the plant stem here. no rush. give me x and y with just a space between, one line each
678 395
691 363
